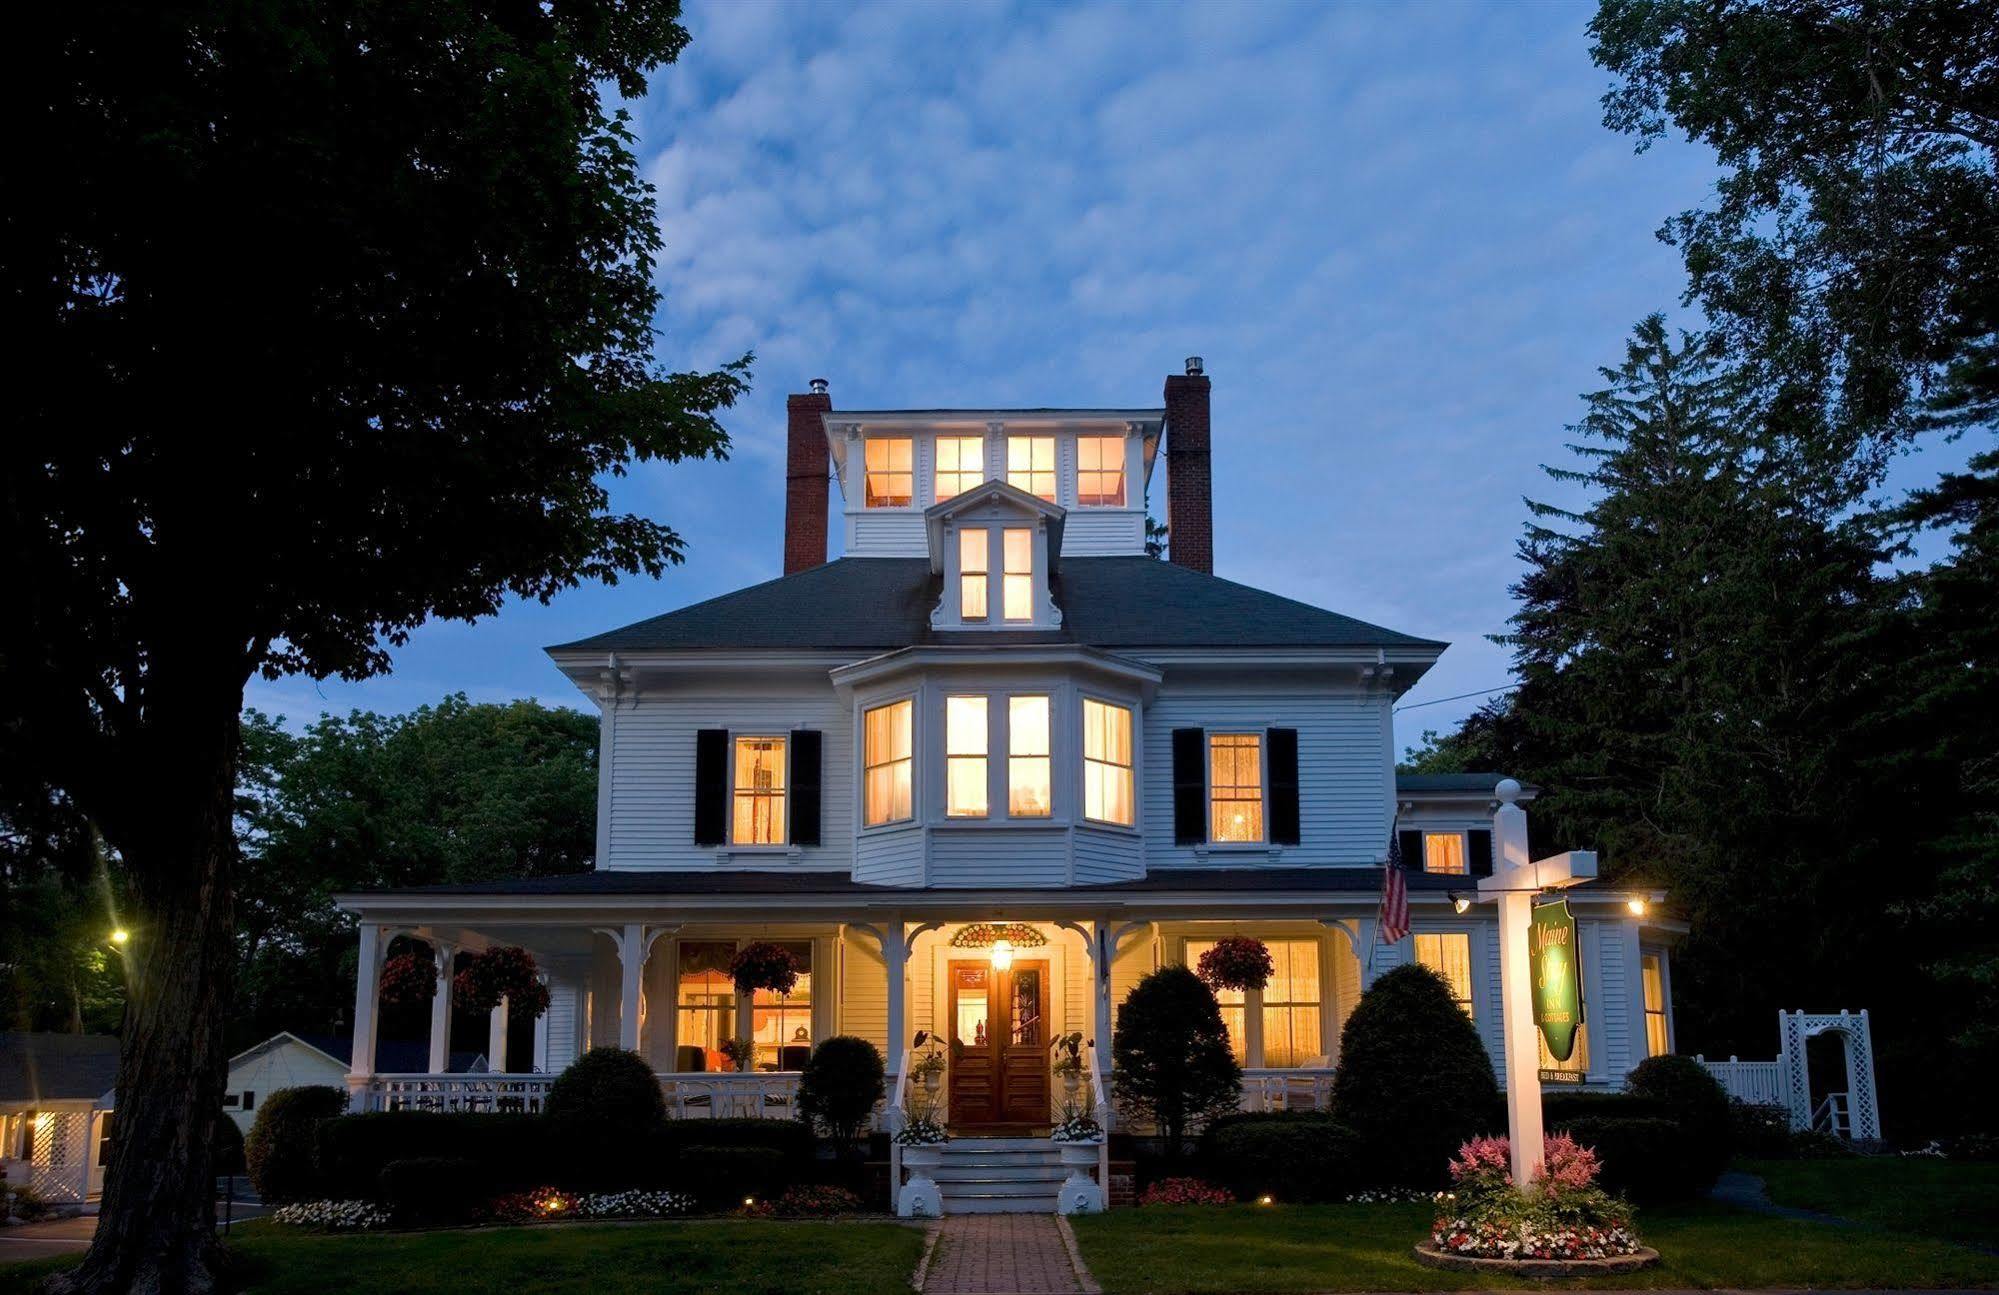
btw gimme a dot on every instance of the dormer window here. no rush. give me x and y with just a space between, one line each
961 464
974 545
1100 471
891 472
1030 465
1017 591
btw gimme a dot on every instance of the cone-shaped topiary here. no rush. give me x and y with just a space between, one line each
1414 1082
281 1152
609 1088
1170 1056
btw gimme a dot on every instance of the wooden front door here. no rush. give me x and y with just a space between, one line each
999 1044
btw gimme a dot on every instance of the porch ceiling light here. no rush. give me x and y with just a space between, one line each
1002 954
1460 902
1636 905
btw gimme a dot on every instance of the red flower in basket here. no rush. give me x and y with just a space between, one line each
1236 962
506 972
764 965
408 978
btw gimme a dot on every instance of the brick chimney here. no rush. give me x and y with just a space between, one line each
1190 533
806 463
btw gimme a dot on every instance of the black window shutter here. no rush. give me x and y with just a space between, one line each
804 823
1412 851
1481 851
711 785
1190 788
1283 786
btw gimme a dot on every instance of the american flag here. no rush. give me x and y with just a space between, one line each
1394 923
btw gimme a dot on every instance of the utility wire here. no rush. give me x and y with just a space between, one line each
1483 692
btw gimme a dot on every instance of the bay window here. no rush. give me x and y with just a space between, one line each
887 744
758 817
1235 787
1017 579
961 464
1444 852
1107 763
965 743
891 472
973 562
1100 471
1448 953
1029 787
1030 465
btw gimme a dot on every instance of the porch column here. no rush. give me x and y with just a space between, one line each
895 957
540 1059
496 1039
1105 955
632 962
442 955
367 986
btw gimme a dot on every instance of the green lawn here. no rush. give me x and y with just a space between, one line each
1366 1247
719 1257
1932 1198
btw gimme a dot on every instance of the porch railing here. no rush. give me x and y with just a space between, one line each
1275 1088
487 1093
891 1123
1759 1083
752 1095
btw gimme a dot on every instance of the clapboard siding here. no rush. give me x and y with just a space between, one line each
964 857
1096 533
891 858
1609 988
1345 777
886 535
864 994
566 997
651 814
1107 856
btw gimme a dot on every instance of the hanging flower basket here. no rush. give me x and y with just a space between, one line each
764 965
408 978
1236 962
506 972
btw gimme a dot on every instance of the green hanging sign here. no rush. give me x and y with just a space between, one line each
1558 988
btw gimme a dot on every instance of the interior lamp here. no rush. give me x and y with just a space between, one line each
1002 954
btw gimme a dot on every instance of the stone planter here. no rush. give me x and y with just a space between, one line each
916 1157
1431 1257
1080 1193
1071 1081
932 1081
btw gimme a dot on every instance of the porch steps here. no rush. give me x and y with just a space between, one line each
999 1176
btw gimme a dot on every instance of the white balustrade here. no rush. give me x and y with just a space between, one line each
1276 1088
1759 1083
480 1093
731 1095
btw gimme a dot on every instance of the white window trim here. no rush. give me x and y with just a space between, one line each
1464 850
1252 999
1211 846
944 784
1665 989
915 815
1083 768
1473 953
917 486
779 847
1124 440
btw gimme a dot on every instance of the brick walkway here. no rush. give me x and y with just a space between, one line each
1000 1254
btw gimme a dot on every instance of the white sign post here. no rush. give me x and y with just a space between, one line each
1514 883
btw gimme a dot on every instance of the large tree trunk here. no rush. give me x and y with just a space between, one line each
156 1231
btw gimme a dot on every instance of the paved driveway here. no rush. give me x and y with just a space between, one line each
41 1240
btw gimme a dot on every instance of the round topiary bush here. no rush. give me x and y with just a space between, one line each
1696 1101
842 1081
611 1088
1170 1056
1414 1082
280 1152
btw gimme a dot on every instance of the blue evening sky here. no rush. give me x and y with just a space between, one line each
1399 235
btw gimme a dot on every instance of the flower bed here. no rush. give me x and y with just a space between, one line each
1185 1191
542 1205
332 1216
1567 1218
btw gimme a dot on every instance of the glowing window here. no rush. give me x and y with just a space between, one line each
886 761
1448 953
965 738
961 464
706 1004
891 472
781 1024
973 562
1100 471
1444 852
1017 588
1028 792
1030 465
1107 772
1234 1004
759 791
1235 787
1291 1033
1653 972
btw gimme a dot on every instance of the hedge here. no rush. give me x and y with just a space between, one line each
723 1177
1645 1158
1293 1158
792 1140
1562 1106
280 1151
513 1152
433 1189
1696 1102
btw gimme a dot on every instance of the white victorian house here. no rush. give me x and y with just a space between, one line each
994 717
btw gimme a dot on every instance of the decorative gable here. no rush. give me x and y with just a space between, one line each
994 545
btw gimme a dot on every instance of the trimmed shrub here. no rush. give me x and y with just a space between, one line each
513 1152
1759 1131
1170 1056
609 1087
790 1140
1644 1158
281 1152
843 1080
433 1189
1560 1107
1299 1158
724 1177
1414 1082
1696 1101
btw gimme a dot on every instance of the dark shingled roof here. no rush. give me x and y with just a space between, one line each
669 883
884 603
57 1066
